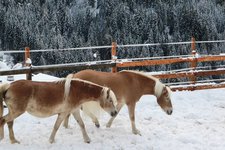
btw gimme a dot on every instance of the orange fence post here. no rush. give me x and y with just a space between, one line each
194 61
28 62
193 47
113 55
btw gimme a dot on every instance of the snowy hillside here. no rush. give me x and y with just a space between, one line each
198 122
43 24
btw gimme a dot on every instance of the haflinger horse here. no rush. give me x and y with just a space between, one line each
128 87
44 99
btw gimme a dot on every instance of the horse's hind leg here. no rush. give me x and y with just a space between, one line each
9 120
11 133
1 114
66 121
2 123
119 106
79 120
58 122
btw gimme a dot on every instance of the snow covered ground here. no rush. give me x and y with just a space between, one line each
197 123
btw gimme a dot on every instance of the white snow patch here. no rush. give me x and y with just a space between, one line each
28 61
3 66
198 122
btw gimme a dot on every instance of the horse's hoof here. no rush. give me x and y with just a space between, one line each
15 141
136 132
51 141
97 125
65 125
87 141
108 125
1 138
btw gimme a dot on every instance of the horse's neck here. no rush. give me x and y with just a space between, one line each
85 92
143 84
147 86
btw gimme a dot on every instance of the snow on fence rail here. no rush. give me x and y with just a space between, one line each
59 67
110 46
115 63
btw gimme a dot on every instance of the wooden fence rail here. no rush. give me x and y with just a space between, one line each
59 67
197 87
170 61
121 63
190 74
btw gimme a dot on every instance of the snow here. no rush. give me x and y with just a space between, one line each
197 122
28 61
3 66
37 77
18 66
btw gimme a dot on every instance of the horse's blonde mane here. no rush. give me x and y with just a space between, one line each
141 73
70 78
60 81
158 88
111 94
158 85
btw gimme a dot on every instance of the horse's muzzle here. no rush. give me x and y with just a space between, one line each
169 111
114 113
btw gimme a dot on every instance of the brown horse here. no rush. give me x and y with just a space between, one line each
44 99
128 87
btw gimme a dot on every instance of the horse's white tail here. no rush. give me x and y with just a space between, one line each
3 88
67 86
91 107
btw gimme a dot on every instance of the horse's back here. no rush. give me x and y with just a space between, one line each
123 84
19 89
40 90
35 97
112 80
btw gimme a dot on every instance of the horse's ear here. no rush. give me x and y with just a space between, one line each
165 91
108 92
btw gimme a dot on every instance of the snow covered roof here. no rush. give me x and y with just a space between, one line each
10 78
37 77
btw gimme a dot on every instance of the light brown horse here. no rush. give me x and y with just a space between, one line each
128 87
44 99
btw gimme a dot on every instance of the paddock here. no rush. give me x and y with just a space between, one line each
197 122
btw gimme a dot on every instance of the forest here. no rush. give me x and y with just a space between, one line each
56 24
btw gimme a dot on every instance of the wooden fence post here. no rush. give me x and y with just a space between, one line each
194 61
27 62
113 55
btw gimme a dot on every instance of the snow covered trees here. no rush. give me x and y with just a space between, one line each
43 24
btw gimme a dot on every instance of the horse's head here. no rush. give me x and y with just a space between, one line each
164 100
109 101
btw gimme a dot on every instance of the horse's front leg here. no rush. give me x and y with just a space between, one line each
131 109
93 118
119 106
58 122
79 120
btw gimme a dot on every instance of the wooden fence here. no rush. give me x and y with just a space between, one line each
115 63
